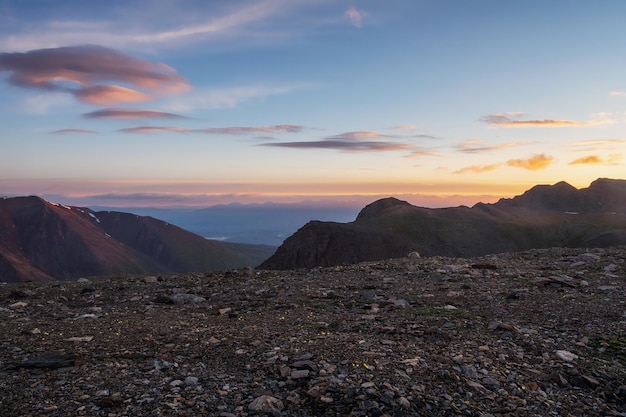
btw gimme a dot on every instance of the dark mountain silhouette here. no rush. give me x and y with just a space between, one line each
544 216
40 240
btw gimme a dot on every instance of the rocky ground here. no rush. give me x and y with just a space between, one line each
539 333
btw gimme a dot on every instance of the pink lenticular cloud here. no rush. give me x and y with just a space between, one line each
91 74
106 95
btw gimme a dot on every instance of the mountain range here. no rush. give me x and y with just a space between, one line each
40 240
542 217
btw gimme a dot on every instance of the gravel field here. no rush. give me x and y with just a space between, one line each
538 333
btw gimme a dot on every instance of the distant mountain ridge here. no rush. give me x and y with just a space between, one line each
544 216
40 240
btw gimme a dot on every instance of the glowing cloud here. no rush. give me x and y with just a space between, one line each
534 163
591 159
72 131
506 120
87 73
477 169
130 114
613 159
618 93
356 16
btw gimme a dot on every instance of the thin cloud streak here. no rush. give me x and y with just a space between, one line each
233 130
505 120
72 131
91 71
131 114
594 144
533 163
342 145
473 146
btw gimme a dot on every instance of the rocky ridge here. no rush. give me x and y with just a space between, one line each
536 333
545 216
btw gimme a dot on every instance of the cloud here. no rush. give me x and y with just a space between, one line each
477 146
613 159
47 102
360 135
403 127
130 114
343 145
617 93
164 24
106 95
71 131
233 130
594 144
534 163
356 16
226 98
510 121
155 129
90 73
591 159
477 169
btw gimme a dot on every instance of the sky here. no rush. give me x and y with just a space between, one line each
203 102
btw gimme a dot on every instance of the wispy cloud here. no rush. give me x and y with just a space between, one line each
533 163
233 130
479 146
477 169
72 131
617 93
131 114
356 16
228 97
132 28
403 127
90 74
595 144
509 121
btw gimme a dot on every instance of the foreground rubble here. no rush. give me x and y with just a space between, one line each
538 333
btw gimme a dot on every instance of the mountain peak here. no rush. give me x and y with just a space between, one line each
378 207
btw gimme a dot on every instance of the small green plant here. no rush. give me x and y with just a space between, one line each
613 347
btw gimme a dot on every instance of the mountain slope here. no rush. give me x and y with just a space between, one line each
544 216
40 240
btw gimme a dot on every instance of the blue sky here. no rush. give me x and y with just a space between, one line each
204 102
